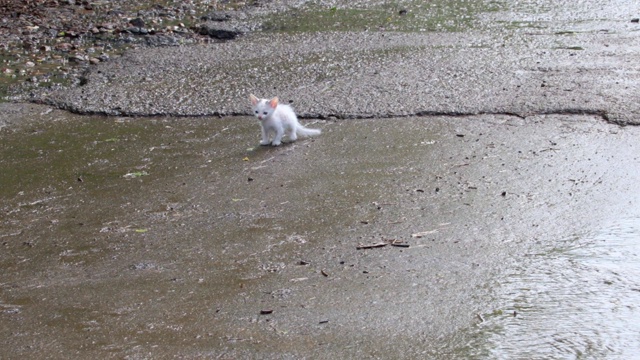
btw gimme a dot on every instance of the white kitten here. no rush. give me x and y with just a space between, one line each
278 119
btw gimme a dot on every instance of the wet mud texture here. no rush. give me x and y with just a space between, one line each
163 237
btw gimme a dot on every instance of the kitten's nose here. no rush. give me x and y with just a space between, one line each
260 117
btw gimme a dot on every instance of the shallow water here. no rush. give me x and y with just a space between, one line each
578 299
164 237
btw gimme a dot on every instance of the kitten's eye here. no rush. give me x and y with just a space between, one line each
265 113
256 111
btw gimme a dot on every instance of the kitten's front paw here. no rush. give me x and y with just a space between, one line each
276 143
265 142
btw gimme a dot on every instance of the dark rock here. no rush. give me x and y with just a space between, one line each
69 34
28 45
635 20
137 22
223 31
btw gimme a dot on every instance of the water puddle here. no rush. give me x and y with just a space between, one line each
577 300
163 237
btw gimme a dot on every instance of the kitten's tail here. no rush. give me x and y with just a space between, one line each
304 131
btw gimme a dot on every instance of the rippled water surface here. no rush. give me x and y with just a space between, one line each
579 299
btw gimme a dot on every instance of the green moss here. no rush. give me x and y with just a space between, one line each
414 16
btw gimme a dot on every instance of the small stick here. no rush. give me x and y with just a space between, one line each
400 245
372 246
423 233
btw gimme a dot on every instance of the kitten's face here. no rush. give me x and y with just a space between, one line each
263 108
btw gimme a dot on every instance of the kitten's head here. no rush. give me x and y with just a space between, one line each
263 108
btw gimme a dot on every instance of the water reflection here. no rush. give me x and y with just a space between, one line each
579 299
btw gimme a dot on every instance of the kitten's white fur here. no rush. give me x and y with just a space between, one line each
279 119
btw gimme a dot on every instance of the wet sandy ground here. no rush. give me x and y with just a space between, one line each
345 59
164 237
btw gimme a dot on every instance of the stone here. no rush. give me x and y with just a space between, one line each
52 33
137 22
94 61
223 31
78 58
162 40
64 46
28 45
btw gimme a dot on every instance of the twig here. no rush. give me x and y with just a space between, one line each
372 246
423 233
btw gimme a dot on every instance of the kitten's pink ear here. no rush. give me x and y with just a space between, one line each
254 99
273 102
